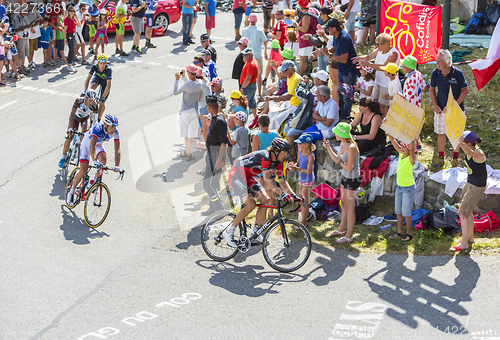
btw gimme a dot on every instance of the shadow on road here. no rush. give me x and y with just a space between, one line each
416 294
59 185
75 229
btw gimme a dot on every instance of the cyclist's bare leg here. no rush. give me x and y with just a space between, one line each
260 216
101 109
102 157
250 205
84 166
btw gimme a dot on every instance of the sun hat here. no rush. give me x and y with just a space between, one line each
244 41
410 62
247 50
338 15
343 130
321 75
304 138
368 69
391 68
470 137
216 80
304 3
235 94
285 65
199 72
253 17
103 11
240 115
287 12
288 54
275 43
192 68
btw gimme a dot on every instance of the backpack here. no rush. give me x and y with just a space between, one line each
362 213
434 220
302 117
485 223
477 24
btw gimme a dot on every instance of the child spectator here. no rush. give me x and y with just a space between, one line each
405 189
45 41
391 70
79 42
93 14
288 17
366 82
280 29
305 167
240 103
239 139
414 82
273 55
292 43
34 32
59 44
100 35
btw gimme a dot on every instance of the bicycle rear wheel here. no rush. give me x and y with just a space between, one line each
214 245
70 180
287 251
97 205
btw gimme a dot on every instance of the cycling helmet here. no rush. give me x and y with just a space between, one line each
102 56
110 120
281 144
92 94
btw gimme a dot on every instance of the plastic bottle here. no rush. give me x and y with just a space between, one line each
385 227
85 181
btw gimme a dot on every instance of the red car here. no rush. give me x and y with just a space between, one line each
167 12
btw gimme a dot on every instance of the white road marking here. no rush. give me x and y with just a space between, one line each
5 105
67 81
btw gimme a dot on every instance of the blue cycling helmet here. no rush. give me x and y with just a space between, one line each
110 120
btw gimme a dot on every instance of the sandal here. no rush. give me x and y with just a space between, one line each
182 154
344 239
457 248
336 233
396 235
189 158
409 239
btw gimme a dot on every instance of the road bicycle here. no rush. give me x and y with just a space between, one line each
286 245
95 194
73 154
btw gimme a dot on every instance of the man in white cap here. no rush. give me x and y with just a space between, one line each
258 40
238 62
326 115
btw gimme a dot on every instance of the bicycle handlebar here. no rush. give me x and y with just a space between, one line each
107 168
75 132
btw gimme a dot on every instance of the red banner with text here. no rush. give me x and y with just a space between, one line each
415 29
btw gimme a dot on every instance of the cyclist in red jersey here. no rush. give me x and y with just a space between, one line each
241 178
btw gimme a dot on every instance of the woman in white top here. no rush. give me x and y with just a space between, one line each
385 53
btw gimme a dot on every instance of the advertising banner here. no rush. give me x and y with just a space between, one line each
454 120
404 120
415 29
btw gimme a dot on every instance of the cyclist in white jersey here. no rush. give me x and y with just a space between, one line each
82 109
92 148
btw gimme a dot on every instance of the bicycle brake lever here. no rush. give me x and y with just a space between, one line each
120 175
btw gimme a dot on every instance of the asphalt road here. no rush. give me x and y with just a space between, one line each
143 273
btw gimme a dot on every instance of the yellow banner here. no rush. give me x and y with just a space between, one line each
454 120
404 120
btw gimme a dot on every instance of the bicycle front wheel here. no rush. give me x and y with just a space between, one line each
214 245
97 205
286 249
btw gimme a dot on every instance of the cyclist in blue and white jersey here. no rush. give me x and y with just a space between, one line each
92 148
83 107
100 74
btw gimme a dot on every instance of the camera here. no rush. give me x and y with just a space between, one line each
317 41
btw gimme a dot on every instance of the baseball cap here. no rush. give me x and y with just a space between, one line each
368 69
285 65
216 80
287 12
103 11
235 94
304 138
321 75
287 54
410 62
211 98
204 36
470 137
304 3
240 115
391 68
205 52
253 17
244 41
275 43
247 50
331 23
199 72
343 130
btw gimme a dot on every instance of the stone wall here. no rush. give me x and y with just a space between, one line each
434 196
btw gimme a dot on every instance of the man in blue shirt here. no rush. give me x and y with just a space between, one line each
209 64
442 78
344 52
210 6
138 8
187 11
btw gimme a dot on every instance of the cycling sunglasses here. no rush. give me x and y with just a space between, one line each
102 60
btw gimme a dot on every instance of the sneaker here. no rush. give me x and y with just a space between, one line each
8 74
185 42
117 51
124 54
229 237
85 63
201 171
149 45
456 162
32 65
71 69
2 83
438 164
61 162
191 41
91 51
254 231
69 199
391 218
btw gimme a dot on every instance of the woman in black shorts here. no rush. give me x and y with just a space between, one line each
368 17
348 157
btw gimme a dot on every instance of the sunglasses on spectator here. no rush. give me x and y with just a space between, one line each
195 62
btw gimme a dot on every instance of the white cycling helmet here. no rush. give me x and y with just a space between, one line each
92 94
